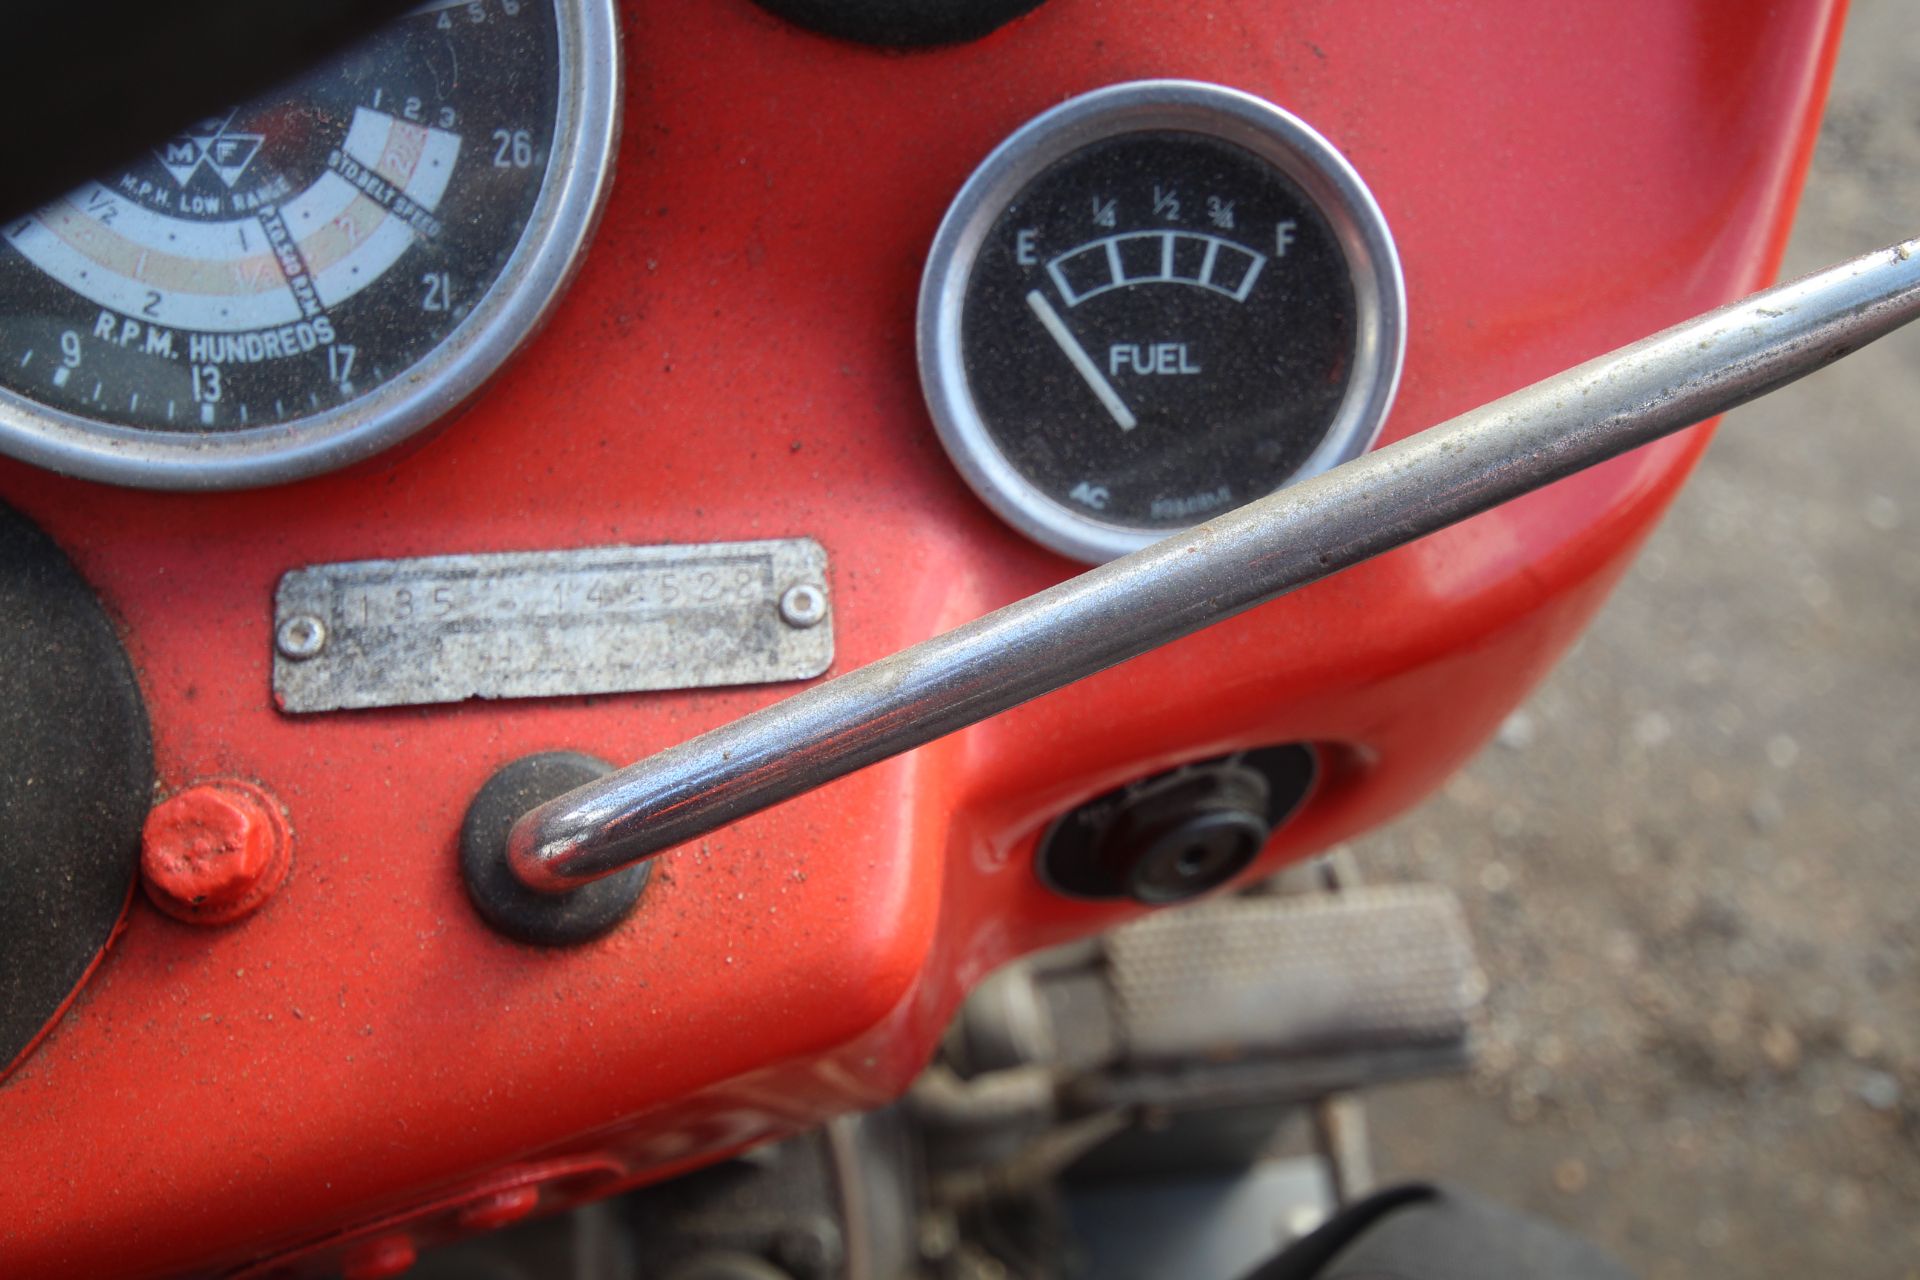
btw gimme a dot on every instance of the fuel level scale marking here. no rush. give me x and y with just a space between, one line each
1194 258
1169 257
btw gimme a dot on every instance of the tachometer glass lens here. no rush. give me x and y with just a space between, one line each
292 262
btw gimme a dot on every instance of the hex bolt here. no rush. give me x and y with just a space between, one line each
381 1258
803 606
498 1209
301 636
215 851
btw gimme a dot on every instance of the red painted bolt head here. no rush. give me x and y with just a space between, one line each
499 1209
214 851
379 1259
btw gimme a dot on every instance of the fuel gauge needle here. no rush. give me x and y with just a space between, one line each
1082 363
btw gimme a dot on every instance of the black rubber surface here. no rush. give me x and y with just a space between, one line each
76 779
1423 1232
901 24
548 920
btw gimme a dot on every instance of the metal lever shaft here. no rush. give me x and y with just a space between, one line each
1177 586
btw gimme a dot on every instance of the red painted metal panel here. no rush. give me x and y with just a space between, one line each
735 361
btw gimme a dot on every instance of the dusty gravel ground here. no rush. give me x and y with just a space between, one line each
1691 861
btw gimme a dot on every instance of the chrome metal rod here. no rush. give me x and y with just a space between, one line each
1218 569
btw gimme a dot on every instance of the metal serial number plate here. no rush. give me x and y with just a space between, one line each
387 633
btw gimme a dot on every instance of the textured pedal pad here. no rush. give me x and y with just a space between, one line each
1366 971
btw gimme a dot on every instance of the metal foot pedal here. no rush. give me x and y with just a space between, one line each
1261 998
1154 1080
1369 968
1242 999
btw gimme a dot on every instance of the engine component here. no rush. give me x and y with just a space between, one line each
1148 1083
1153 304
76 769
304 280
838 1202
1177 834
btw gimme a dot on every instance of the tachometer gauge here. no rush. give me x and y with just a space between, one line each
1152 304
308 278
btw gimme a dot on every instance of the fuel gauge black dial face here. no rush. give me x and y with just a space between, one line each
1158 328
1152 305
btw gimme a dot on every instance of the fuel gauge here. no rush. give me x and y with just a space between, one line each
1152 304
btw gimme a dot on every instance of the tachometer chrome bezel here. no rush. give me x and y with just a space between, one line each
572 192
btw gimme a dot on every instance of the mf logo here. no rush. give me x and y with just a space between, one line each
212 144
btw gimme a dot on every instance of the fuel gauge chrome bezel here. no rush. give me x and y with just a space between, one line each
1269 133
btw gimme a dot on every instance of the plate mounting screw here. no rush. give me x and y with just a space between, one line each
803 606
301 636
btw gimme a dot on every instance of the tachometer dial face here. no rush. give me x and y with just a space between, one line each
312 276
1152 305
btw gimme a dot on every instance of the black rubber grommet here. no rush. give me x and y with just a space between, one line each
545 920
1192 853
1175 834
901 24
1190 831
